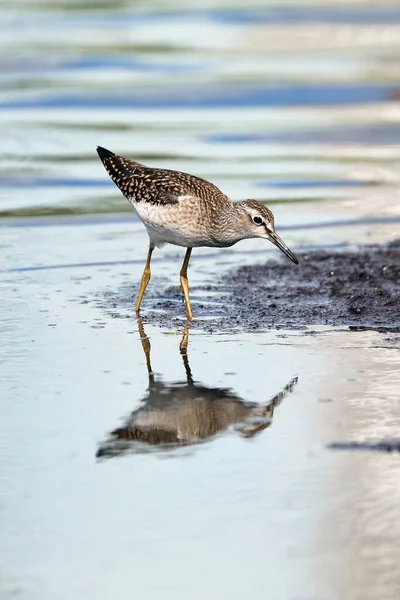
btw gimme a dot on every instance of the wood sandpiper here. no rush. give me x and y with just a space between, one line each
184 210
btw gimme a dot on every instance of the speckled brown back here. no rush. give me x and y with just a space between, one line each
156 186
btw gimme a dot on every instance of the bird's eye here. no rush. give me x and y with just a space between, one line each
257 220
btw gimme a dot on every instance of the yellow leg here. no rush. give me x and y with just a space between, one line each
145 279
185 284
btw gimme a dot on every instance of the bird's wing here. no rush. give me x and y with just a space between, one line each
173 186
156 186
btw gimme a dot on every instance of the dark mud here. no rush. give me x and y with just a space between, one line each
380 446
357 289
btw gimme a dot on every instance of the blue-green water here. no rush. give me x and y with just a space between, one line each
280 103
295 105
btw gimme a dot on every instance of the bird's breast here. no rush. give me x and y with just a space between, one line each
172 225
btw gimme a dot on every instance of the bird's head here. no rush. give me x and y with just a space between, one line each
258 222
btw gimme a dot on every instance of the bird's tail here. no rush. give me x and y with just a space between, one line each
121 170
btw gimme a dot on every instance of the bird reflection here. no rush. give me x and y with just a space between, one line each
185 412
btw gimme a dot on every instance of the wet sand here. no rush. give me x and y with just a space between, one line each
357 288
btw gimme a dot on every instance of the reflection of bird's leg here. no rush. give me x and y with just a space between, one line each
267 412
183 346
145 279
146 347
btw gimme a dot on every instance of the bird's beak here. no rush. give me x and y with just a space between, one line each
279 243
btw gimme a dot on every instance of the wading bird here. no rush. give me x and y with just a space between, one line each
184 210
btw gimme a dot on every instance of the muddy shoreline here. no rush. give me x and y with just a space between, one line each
357 288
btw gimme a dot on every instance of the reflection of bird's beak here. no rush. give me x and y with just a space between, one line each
277 241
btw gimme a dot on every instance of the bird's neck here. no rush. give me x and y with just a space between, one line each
230 226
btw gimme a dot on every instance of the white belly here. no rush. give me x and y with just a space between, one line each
165 227
162 235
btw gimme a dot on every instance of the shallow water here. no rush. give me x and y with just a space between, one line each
295 105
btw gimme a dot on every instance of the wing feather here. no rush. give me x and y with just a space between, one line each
157 186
